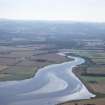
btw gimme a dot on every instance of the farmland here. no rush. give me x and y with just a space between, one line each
18 63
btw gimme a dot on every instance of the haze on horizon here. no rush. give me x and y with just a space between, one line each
76 10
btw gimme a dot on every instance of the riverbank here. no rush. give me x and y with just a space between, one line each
92 75
29 66
43 87
99 101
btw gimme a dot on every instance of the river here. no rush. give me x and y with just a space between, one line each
51 85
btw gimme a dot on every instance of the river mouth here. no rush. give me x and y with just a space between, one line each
52 84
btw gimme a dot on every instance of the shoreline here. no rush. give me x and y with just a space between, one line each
39 61
64 72
75 72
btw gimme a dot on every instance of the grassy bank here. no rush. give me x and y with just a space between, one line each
28 67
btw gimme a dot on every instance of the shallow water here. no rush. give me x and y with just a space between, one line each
51 85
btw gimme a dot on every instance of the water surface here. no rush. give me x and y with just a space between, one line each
51 85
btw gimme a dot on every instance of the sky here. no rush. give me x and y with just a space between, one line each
73 10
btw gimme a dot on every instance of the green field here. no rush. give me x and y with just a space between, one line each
92 72
93 78
17 73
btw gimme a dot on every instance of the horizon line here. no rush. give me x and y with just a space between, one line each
51 20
